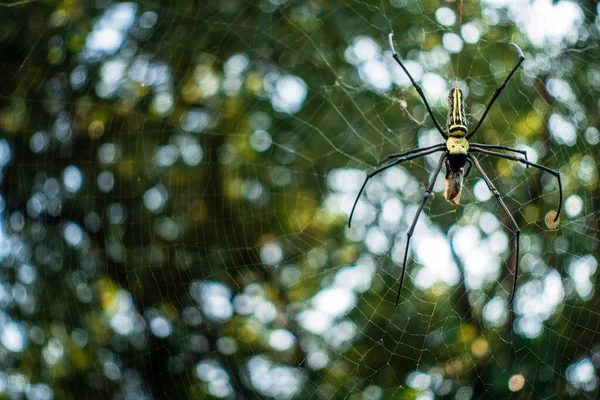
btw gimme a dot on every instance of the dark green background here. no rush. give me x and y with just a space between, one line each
64 296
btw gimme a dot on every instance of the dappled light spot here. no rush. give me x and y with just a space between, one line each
289 94
400 78
271 253
72 178
582 270
281 340
582 375
357 278
562 130
345 180
106 181
253 190
334 301
481 191
274 380
53 352
261 141
550 220
438 265
341 334
498 241
587 172
418 380
190 150
163 103
377 241
236 64
39 142
156 198
516 383
265 311
196 120
495 312
73 234
445 16
435 88
5 153
227 345
116 213
317 360
391 212
537 301
592 135
160 326
109 32
27 274
573 205
217 379
560 90
452 43
471 32
213 299
375 73
166 156
109 153
488 222
362 49
314 321
168 229
191 316
13 337
544 21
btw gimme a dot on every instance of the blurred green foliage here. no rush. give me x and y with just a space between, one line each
154 245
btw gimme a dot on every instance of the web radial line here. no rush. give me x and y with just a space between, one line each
415 219
499 90
381 169
516 229
416 85
521 160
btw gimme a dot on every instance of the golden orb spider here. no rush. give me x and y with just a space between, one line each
457 151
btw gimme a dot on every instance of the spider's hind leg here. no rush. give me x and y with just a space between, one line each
514 224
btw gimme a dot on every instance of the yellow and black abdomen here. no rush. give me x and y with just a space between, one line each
457 121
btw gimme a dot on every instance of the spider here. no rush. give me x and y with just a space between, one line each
457 152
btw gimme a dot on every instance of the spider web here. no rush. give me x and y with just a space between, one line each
177 187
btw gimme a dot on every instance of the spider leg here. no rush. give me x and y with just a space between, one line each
435 146
549 170
416 218
381 169
416 85
516 229
499 90
469 168
498 147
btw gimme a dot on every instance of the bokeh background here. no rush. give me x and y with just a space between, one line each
176 179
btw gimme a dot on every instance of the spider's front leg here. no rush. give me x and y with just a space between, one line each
499 147
406 153
516 229
421 153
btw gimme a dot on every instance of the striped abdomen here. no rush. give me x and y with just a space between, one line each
457 121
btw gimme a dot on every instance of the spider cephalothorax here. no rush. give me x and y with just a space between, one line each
457 151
